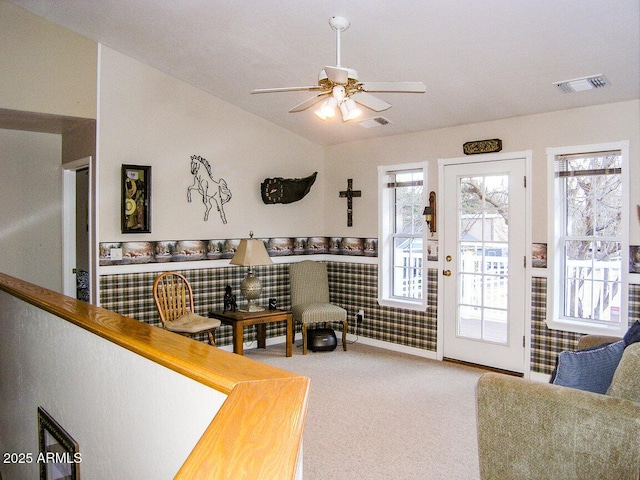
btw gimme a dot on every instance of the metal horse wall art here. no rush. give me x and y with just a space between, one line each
212 191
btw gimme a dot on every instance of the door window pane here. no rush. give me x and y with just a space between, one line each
483 257
471 289
470 322
495 326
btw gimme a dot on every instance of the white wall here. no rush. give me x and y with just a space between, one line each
149 118
31 213
599 124
45 68
132 418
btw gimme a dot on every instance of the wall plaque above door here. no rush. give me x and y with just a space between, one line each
482 146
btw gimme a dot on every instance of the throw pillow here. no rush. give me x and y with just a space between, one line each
633 334
591 370
555 368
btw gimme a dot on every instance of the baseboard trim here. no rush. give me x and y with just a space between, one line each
539 377
419 352
254 343
350 339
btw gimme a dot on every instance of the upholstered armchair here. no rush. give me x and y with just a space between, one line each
533 430
310 299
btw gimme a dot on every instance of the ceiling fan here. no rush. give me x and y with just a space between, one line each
339 88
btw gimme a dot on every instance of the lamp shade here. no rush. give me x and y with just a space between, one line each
251 252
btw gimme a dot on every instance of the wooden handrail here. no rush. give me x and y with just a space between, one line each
256 434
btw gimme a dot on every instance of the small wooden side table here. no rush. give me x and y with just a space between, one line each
238 320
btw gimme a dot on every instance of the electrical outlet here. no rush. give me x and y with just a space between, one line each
360 316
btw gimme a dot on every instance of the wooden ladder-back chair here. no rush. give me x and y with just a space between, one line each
174 299
310 299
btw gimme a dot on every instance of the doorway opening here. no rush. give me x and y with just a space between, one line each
78 230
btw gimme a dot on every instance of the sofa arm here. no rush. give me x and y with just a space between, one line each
531 430
588 341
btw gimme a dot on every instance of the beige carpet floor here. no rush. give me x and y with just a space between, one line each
377 414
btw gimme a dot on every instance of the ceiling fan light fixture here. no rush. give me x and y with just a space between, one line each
344 110
349 110
338 93
327 108
337 85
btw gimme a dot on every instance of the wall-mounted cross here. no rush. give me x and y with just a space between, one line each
350 193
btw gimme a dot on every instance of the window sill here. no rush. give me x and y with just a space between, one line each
406 305
587 328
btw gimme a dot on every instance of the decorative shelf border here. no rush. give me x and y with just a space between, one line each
191 250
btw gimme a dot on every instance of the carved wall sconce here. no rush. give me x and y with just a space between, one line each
430 213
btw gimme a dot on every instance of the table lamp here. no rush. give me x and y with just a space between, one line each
249 254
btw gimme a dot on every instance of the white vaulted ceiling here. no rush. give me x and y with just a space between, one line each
480 60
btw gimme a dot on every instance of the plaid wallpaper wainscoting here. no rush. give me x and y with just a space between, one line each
546 344
353 286
634 303
131 294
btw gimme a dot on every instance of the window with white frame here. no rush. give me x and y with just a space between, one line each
588 247
401 249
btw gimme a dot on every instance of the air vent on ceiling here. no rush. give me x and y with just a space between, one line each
582 84
374 122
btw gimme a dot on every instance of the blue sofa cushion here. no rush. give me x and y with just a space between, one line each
591 369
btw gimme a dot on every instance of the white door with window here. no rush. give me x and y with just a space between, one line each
483 250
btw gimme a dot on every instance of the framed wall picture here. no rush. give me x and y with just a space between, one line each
136 199
59 455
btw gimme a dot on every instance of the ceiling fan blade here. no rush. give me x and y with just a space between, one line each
369 101
337 75
399 87
309 103
286 89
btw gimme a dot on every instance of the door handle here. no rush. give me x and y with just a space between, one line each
447 273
